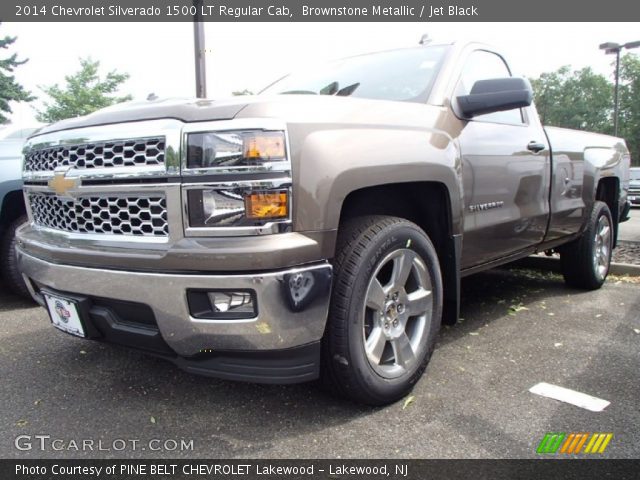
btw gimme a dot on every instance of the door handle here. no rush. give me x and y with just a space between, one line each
536 147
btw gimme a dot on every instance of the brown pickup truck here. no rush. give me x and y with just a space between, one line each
319 229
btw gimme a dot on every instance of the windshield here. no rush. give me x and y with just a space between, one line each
405 75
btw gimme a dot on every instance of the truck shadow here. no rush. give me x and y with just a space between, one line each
10 301
500 292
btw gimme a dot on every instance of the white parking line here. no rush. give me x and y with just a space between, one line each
562 394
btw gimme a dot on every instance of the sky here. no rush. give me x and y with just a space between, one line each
159 56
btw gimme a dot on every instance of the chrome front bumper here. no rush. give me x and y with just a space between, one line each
282 322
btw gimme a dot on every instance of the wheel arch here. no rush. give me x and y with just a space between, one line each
428 205
608 191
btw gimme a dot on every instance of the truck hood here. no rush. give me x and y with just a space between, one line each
186 110
342 112
293 109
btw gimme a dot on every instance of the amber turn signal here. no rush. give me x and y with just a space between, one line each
266 205
264 146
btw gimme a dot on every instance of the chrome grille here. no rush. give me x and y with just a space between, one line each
117 153
105 214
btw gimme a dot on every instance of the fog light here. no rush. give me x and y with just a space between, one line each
222 304
240 302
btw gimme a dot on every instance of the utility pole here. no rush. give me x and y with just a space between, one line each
616 103
615 49
198 45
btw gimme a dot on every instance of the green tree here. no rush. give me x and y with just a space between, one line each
239 93
579 99
10 90
84 92
629 114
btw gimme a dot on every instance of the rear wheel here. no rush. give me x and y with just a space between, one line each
9 261
585 262
385 310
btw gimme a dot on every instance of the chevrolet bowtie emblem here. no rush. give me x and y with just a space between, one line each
61 184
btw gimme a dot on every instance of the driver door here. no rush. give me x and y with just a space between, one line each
506 184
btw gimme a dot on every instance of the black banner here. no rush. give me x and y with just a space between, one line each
318 469
317 11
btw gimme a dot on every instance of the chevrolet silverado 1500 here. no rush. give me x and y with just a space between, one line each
319 229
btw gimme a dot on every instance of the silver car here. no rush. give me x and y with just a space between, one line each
634 186
12 210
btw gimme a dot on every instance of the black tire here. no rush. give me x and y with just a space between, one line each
363 243
9 261
578 258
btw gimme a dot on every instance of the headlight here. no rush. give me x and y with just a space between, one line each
235 149
236 178
240 206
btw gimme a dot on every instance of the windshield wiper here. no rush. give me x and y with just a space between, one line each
330 89
334 89
348 90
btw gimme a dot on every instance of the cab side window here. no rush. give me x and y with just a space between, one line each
483 65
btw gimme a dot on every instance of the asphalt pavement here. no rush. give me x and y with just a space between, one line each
520 327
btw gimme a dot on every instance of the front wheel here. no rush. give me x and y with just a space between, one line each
385 312
585 262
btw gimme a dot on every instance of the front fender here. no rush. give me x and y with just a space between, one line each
332 163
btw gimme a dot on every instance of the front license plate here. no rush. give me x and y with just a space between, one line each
64 315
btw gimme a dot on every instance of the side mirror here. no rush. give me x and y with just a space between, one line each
496 95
